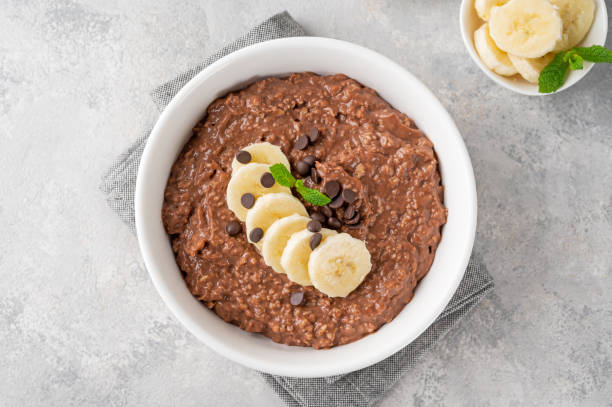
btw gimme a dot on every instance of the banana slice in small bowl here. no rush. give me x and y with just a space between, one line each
528 33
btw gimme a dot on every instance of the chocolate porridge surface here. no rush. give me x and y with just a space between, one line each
364 144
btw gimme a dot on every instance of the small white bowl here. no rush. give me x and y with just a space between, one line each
470 22
394 84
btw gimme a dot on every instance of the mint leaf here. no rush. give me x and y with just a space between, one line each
573 59
282 175
311 195
553 75
596 53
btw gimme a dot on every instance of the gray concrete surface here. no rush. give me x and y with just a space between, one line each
80 322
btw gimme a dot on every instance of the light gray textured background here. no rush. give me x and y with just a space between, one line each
80 322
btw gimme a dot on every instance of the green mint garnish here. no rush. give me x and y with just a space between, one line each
596 53
313 196
574 60
282 175
553 75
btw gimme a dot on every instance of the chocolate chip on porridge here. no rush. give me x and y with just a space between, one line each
233 228
314 226
302 142
349 212
303 168
267 180
349 196
337 202
310 160
332 188
247 200
243 157
326 211
315 240
316 216
313 135
296 298
256 235
334 223
354 220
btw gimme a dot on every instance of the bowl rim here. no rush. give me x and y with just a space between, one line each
238 355
573 76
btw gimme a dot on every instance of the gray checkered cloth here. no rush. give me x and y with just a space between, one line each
363 387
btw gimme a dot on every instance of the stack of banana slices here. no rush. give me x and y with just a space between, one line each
522 36
276 223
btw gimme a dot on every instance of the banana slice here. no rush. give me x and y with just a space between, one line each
339 264
483 7
248 180
263 153
276 237
526 28
494 58
530 68
294 259
577 16
268 209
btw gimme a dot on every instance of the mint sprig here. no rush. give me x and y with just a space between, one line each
596 53
553 75
313 196
573 59
283 176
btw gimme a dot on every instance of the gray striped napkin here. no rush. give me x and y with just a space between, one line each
363 387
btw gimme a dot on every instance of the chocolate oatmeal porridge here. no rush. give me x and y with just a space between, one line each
341 138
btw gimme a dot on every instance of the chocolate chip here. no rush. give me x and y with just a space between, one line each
349 212
296 298
267 180
349 195
315 240
334 223
302 168
337 202
256 235
247 200
309 159
327 211
243 157
314 226
318 217
232 228
301 142
332 188
354 220
313 134
314 175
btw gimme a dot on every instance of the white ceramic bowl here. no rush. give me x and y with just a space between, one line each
398 87
469 22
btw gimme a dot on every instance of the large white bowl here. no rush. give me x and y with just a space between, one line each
469 22
398 87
